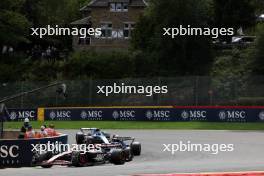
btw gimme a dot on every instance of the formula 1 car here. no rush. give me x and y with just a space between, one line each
96 136
80 159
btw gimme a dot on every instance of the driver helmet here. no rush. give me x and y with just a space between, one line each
115 136
26 120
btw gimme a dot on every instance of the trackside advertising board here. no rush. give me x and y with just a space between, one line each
18 153
21 114
168 113
188 113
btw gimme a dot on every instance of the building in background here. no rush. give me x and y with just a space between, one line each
117 20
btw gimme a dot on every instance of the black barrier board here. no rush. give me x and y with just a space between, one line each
212 114
111 114
21 114
18 153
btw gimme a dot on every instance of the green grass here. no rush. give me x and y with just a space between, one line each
143 125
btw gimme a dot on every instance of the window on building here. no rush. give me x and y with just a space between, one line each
125 7
106 29
128 29
117 33
84 41
118 7
112 7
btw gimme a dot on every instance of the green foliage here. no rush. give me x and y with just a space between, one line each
42 71
44 12
184 55
231 72
258 55
12 67
13 24
99 65
49 12
259 4
80 65
234 65
17 16
152 53
234 13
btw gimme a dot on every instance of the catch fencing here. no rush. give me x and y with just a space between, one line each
182 91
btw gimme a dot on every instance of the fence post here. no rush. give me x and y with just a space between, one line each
158 98
195 91
1 126
90 90
22 97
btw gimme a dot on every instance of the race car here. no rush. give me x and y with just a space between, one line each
96 136
80 159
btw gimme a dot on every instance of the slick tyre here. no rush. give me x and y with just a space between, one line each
79 138
117 157
129 154
136 148
75 160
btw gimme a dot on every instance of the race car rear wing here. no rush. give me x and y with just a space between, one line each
87 129
124 138
110 145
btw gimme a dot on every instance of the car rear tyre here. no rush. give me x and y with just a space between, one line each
75 159
136 148
79 138
117 157
39 158
46 166
129 154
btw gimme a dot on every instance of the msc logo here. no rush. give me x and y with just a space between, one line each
115 115
185 115
91 114
60 114
193 114
232 115
149 115
261 115
9 151
52 115
123 114
13 115
222 115
157 114
21 115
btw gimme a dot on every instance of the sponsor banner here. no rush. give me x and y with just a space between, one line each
21 114
213 114
223 114
110 114
18 153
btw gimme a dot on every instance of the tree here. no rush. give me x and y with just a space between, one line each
259 4
234 13
49 12
44 12
183 55
13 24
258 56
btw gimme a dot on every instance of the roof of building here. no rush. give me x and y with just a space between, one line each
86 20
105 3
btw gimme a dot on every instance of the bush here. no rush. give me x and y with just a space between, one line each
99 65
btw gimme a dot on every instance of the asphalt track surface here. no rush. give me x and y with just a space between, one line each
248 155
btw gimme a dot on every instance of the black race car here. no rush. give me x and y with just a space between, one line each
81 159
113 149
96 136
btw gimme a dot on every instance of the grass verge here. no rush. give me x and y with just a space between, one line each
143 125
